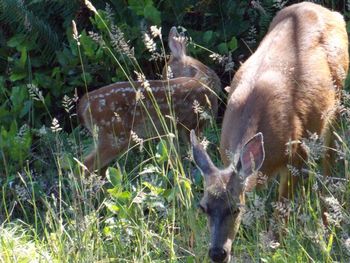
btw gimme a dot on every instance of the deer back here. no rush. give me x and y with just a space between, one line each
289 86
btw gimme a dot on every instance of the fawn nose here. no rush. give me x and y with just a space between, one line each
218 254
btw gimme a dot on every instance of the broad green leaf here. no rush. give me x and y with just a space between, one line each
114 176
154 189
222 48
18 76
137 6
152 14
208 36
112 207
232 45
16 40
24 56
162 152
26 108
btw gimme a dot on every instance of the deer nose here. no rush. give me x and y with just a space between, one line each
218 254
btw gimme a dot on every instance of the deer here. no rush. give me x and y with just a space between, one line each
290 86
120 109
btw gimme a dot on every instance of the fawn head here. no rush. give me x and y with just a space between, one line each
223 200
181 65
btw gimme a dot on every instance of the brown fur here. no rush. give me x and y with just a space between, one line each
116 112
288 88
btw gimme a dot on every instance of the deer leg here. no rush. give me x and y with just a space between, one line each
286 190
328 161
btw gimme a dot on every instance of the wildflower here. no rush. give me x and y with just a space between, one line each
216 57
169 73
226 61
22 193
279 4
313 146
97 38
251 37
109 12
55 126
119 43
262 178
90 6
293 170
257 5
144 82
304 218
207 101
205 143
346 245
149 43
334 215
267 241
76 36
23 130
93 183
67 103
42 130
255 211
27 24
204 116
135 138
118 118
139 95
35 93
156 32
282 208
197 107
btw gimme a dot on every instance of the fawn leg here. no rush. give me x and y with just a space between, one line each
108 147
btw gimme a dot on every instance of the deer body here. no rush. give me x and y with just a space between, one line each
289 87
124 107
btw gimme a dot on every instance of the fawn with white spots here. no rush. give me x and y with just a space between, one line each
123 108
288 88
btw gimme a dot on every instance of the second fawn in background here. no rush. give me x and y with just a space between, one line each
121 108
288 88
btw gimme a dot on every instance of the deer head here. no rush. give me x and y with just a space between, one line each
223 199
182 65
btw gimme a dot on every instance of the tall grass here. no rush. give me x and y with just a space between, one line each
145 209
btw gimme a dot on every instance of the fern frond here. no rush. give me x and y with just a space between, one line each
22 19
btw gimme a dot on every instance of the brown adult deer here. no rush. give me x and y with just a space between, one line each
123 107
289 87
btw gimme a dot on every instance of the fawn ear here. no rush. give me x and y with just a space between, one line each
251 159
201 158
177 43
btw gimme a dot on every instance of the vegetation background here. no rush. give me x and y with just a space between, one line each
145 210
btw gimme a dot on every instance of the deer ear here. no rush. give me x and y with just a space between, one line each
251 159
176 43
201 158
